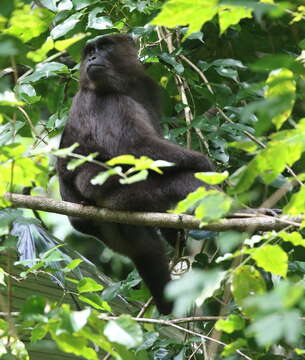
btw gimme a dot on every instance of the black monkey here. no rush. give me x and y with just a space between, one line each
117 111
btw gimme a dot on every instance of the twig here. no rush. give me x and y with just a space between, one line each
177 221
173 324
28 119
144 307
181 86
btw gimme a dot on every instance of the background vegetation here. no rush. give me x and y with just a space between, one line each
232 74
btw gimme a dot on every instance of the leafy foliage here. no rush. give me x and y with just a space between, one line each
232 74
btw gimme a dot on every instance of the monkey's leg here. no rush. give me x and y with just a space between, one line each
145 248
142 245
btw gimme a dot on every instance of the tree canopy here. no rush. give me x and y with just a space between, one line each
232 79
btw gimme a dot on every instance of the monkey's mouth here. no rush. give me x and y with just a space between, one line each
96 67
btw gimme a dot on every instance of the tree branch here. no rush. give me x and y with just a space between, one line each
177 221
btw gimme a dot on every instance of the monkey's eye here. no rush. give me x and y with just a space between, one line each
89 50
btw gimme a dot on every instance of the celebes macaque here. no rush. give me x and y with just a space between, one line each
117 111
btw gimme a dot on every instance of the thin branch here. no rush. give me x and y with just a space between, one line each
172 324
181 86
28 119
177 221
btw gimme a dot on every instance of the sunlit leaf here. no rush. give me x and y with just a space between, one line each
101 178
231 324
27 23
95 301
41 54
296 204
231 15
88 284
62 45
231 348
271 258
212 178
281 83
181 12
122 160
140 176
209 205
294 238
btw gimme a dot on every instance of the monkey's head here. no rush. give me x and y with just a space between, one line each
109 63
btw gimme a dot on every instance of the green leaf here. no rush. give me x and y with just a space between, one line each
73 164
73 264
73 321
65 151
248 146
169 59
122 160
99 22
27 23
294 238
210 205
64 5
8 98
124 331
296 204
80 4
181 12
285 148
280 83
271 328
247 281
231 348
231 324
75 344
231 15
41 54
195 285
95 301
27 93
39 332
44 71
140 176
212 178
66 26
62 45
87 285
229 73
271 258
101 178
34 305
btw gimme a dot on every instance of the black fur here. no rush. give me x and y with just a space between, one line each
115 112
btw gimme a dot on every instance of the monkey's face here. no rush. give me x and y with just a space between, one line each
109 62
